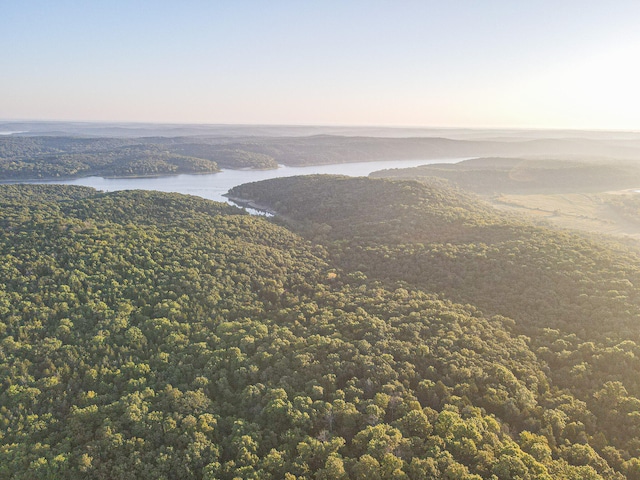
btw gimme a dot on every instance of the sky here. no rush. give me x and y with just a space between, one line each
474 63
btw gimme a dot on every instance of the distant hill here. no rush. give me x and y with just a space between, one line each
141 130
55 156
62 157
526 176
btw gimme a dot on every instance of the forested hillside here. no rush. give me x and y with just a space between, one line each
445 240
61 157
575 298
148 335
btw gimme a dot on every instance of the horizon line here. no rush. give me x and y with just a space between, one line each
319 125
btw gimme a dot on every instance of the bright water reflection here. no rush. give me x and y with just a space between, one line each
214 186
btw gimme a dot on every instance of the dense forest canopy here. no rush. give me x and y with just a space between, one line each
444 240
149 335
575 298
61 157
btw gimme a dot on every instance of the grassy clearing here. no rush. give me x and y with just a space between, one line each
589 212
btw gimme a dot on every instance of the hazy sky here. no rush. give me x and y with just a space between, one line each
507 63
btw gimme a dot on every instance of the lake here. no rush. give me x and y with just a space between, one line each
214 185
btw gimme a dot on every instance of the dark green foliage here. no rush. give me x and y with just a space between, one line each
446 241
227 157
53 157
149 335
25 194
576 299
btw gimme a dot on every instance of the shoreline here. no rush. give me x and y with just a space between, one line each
112 177
119 177
246 203
224 169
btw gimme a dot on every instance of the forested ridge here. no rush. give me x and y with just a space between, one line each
525 176
35 158
151 335
67 157
574 297
58 156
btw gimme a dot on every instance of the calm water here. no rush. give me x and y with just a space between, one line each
214 185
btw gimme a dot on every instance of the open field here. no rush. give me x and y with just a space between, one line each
590 212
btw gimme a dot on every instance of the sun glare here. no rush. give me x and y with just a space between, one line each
599 90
